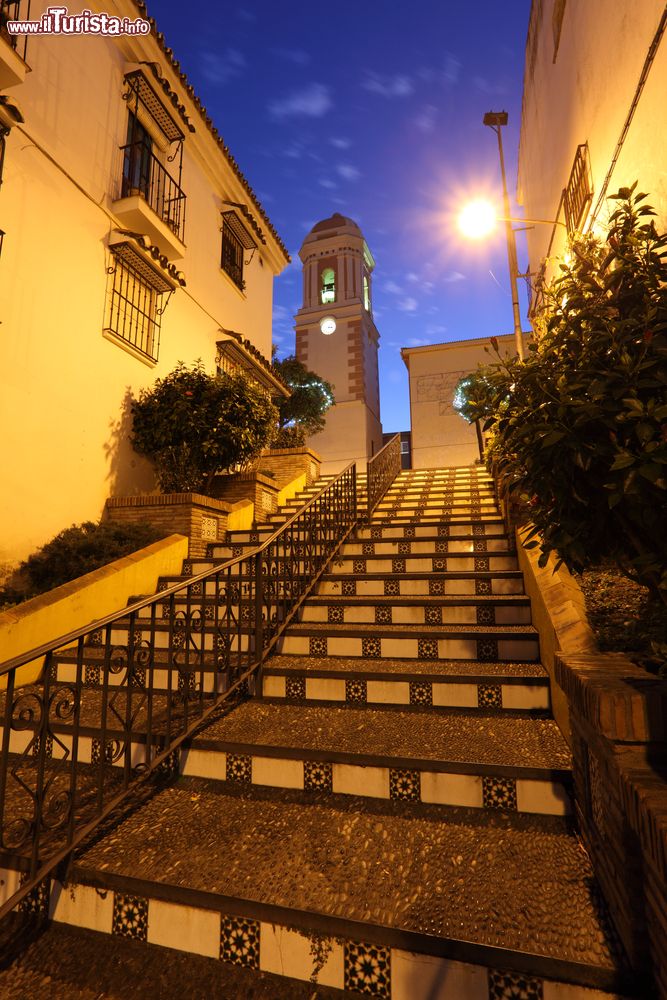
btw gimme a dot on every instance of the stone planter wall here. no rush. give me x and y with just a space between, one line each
287 464
202 519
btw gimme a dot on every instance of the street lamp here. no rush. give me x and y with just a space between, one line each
496 120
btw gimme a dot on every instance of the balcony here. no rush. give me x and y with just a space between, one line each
151 202
13 68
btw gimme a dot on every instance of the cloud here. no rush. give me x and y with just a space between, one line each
297 56
392 287
312 101
221 68
452 69
435 329
488 86
408 304
398 85
340 143
426 119
452 277
348 172
417 342
327 183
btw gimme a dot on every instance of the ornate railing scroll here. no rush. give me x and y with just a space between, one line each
382 471
114 701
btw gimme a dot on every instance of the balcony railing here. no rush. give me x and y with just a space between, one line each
382 471
15 10
115 700
143 174
578 194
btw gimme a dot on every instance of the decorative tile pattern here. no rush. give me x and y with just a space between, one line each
317 645
92 676
383 614
368 548
482 587
499 793
355 691
439 565
481 564
442 545
130 916
48 747
404 786
349 588
421 693
486 614
335 614
436 588
37 900
295 687
398 565
209 528
595 793
409 532
427 649
433 616
443 531
489 696
367 969
254 537
371 647
487 650
53 671
514 986
404 548
392 588
239 768
96 638
478 529
171 765
186 568
317 776
239 941
376 532
479 544
196 589
358 565
237 550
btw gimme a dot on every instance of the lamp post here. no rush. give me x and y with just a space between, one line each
495 120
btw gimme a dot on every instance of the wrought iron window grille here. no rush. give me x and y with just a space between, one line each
231 259
136 301
15 10
578 194
143 680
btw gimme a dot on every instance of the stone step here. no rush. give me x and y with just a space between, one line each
501 610
391 906
436 506
475 530
492 760
414 584
433 545
442 684
423 642
445 562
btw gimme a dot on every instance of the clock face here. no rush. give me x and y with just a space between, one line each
327 325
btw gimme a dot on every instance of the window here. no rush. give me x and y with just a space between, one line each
557 23
578 194
232 255
135 304
328 290
137 159
367 293
405 447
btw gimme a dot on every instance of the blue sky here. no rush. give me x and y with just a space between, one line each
373 110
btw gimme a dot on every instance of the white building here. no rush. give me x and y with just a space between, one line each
132 241
593 115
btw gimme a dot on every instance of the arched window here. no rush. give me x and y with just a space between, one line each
367 293
328 289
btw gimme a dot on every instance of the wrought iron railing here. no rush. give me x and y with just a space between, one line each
115 700
144 174
382 471
15 10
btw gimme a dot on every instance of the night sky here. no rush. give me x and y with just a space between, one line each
373 110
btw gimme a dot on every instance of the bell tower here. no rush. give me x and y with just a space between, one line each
337 338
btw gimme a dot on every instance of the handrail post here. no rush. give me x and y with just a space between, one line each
259 624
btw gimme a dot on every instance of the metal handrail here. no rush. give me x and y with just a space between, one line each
144 174
126 696
382 470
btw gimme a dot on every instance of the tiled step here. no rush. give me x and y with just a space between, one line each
424 610
393 908
423 642
453 758
443 562
414 584
380 530
448 684
430 546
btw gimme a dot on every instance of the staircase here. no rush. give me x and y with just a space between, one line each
392 818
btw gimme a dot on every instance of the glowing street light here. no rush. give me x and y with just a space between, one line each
477 219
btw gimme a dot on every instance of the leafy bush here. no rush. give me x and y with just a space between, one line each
580 429
81 549
193 425
302 415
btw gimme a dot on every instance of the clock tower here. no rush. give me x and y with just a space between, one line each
337 338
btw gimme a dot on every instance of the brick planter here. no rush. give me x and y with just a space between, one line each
287 464
202 519
254 486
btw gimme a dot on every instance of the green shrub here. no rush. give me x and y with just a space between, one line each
81 549
580 429
302 415
193 425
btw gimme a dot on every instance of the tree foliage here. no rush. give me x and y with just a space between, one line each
193 425
579 431
303 414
